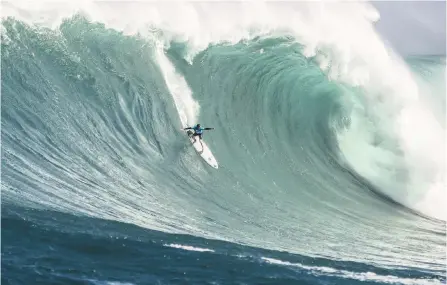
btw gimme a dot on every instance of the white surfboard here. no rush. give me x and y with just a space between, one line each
204 152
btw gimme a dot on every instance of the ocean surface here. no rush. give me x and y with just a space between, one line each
331 149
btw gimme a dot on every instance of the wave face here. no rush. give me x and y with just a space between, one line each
321 152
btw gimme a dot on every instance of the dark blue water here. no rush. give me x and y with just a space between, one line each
47 247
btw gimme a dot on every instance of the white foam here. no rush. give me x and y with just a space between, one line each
187 107
190 248
361 276
98 282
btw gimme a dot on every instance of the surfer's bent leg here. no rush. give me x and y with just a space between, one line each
200 136
195 135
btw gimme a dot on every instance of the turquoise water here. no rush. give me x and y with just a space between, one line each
308 190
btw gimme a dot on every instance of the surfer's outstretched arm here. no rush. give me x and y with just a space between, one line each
187 128
208 128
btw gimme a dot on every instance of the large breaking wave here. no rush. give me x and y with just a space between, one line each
323 135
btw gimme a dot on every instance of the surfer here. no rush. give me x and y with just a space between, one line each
198 131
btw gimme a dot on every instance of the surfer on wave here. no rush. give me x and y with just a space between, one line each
198 131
